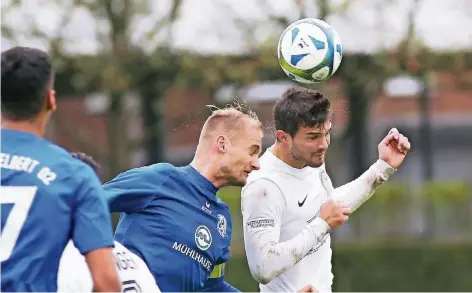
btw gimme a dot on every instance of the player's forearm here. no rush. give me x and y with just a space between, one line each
101 263
356 192
273 259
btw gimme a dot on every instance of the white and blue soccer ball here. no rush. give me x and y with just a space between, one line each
309 50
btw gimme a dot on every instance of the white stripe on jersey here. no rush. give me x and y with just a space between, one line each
74 274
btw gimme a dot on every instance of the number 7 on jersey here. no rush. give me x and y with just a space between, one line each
21 198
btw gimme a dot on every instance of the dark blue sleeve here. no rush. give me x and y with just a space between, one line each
216 282
218 285
132 190
92 228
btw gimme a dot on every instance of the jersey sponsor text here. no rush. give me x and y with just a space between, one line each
184 249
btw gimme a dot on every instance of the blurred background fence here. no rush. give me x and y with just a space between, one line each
133 78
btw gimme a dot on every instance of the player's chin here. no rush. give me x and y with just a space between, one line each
316 161
242 180
239 181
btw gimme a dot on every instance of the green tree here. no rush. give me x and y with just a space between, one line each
121 66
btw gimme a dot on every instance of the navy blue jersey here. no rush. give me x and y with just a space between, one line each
47 197
172 219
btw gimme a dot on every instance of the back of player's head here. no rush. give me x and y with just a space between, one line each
301 107
26 82
229 120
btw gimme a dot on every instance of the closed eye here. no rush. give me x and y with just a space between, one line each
254 150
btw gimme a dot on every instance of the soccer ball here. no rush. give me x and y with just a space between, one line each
309 50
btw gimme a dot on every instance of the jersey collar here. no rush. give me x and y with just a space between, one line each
210 189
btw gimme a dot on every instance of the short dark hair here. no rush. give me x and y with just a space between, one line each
87 160
26 78
301 107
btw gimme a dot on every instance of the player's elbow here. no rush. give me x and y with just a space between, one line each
264 270
262 274
267 265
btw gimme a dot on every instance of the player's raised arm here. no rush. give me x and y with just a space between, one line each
262 206
93 235
132 190
392 151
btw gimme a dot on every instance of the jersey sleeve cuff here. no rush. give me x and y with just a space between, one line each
96 245
383 170
318 228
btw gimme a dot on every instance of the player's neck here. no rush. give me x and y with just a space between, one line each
283 154
205 168
33 127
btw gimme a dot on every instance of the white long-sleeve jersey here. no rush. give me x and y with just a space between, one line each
74 274
287 245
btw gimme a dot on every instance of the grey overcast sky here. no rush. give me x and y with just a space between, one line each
206 26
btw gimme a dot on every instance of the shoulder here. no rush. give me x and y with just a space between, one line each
150 171
160 169
68 173
266 171
83 174
262 193
152 174
61 161
259 183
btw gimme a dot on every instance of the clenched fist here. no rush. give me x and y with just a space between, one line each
393 148
334 213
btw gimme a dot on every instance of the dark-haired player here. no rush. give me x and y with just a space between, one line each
47 196
289 206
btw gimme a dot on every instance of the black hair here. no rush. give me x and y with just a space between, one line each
26 79
301 107
87 160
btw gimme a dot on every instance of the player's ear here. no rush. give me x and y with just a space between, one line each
281 136
51 104
222 143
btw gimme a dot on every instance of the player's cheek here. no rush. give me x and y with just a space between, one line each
313 146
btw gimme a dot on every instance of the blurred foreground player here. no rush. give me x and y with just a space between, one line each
171 217
289 206
74 275
47 196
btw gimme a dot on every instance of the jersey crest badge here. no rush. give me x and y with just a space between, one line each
221 226
203 237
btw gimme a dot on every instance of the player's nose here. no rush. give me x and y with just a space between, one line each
255 164
324 144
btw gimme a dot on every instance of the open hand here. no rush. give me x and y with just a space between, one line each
393 148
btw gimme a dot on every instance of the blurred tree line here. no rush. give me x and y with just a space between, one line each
154 67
